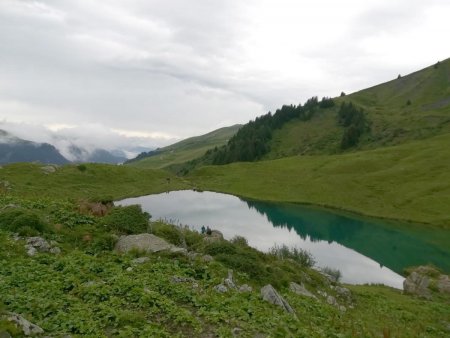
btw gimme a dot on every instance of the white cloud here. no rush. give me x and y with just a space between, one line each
173 69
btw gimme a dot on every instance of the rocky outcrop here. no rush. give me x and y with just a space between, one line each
215 236
269 294
38 244
443 284
423 280
28 328
145 242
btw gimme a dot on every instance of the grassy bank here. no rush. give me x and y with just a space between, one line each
85 181
406 182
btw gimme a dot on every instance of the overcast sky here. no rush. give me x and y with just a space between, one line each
150 72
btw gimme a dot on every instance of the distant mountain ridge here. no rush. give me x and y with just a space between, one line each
14 149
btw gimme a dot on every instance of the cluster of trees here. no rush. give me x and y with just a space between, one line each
354 120
252 141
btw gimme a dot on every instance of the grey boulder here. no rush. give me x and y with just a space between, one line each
145 242
269 294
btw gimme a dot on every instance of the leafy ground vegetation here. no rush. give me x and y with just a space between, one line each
90 290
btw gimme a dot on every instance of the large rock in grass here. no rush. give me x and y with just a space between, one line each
28 328
269 294
417 284
146 243
423 280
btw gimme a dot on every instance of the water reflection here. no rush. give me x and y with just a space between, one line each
393 246
335 240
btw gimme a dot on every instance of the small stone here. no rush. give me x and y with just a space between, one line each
177 279
332 301
229 280
342 308
344 293
55 250
49 169
207 258
129 269
140 260
31 250
221 288
236 332
322 293
245 288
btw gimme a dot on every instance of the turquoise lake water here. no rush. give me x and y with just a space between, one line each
365 250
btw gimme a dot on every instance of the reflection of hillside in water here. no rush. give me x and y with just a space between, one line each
387 245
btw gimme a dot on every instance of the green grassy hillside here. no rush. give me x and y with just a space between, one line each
84 181
411 107
187 149
408 182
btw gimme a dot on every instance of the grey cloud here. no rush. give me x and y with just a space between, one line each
180 67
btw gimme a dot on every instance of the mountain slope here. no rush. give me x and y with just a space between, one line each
411 107
13 149
184 150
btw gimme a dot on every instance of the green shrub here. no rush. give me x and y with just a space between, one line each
82 167
221 247
16 219
10 328
27 231
301 256
248 264
335 274
193 239
129 219
104 242
167 231
239 240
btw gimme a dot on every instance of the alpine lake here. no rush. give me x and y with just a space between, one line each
365 250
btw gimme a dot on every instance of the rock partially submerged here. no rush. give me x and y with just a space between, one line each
269 294
145 242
